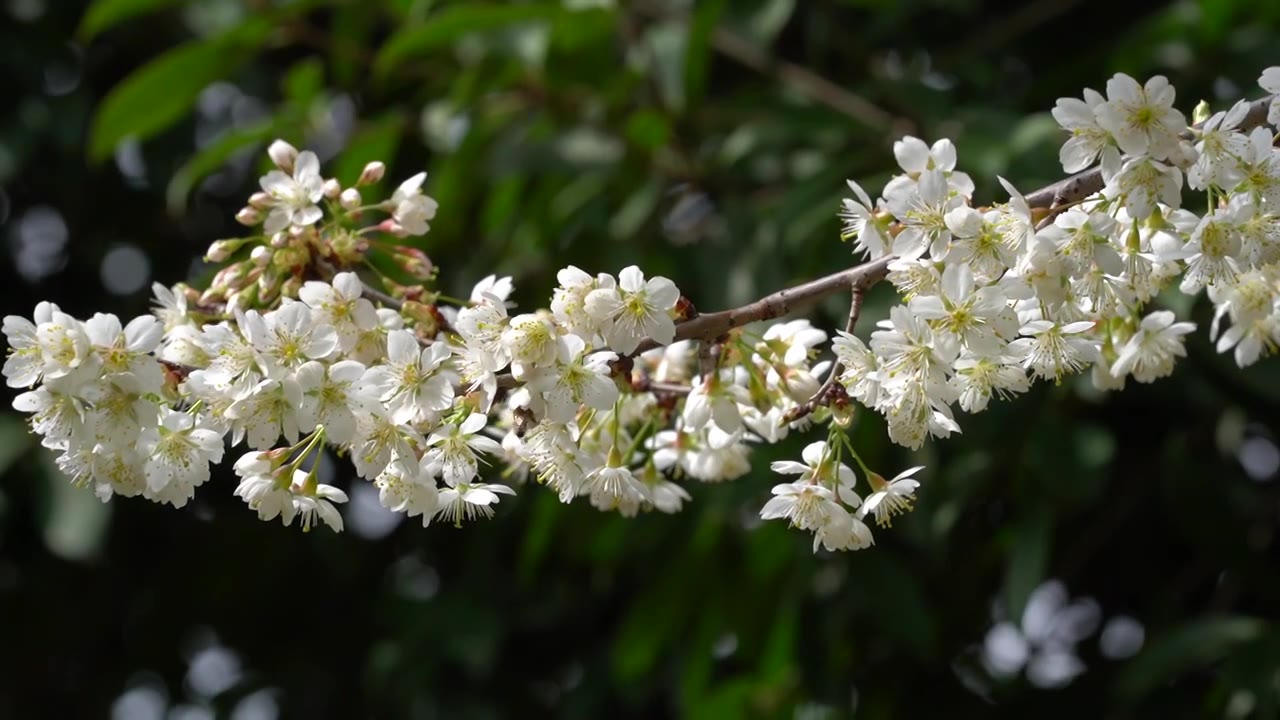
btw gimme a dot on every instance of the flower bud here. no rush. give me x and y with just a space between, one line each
332 188
221 250
280 240
414 262
348 247
289 259
425 316
350 199
1201 113
283 155
249 216
372 173
261 200
261 255
291 286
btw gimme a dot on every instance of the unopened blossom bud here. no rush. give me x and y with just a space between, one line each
350 199
426 317
261 255
249 216
268 286
842 414
414 262
212 296
280 240
221 250
291 286
332 188
261 200
283 155
372 173
393 228
231 276
1201 112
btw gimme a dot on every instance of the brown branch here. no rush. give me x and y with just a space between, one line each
1083 184
711 326
375 295
805 81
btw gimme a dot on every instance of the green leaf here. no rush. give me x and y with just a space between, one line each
159 93
697 56
304 81
211 157
105 14
445 27
376 139
1184 649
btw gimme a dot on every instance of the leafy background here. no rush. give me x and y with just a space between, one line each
1072 552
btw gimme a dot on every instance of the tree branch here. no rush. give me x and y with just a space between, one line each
1086 183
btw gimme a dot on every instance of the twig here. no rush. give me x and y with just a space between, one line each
710 326
820 397
376 295
802 79
1083 184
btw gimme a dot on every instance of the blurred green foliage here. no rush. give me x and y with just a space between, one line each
704 141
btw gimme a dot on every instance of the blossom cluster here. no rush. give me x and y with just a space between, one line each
1000 296
608 394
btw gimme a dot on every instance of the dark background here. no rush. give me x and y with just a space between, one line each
1073 553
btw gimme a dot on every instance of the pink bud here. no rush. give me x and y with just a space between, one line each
332 188
261 200
283 155
248 216
279 240
372 173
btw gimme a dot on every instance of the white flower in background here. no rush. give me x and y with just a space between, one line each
819 466
482 326
1142 118
980 376
1143 182
310 503
797 339
268 410
1152 351
341 306
63 343
294 197
333 397
1211 253
453 449
805 505
1260 167
1088 138
410 208
530 340
962 315
860 370
378 438
613 486
569 300
122 408
260 489
1051 350
498 287
1219 147
714 399
890 497
411 383
169 305
842 531
858 217
469 501
915 158
178 451
634 310
1270 81
24 365
579 379
127 349
922 210
286 338
408 486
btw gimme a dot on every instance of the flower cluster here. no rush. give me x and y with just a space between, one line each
615 392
